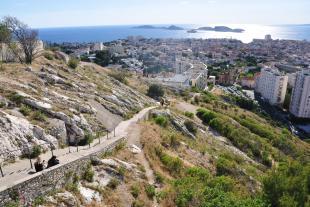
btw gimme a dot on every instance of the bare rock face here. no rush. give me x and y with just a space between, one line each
16 132
62 56
57 128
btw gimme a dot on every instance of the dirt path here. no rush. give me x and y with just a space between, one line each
134 139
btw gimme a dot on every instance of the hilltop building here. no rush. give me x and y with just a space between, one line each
300 102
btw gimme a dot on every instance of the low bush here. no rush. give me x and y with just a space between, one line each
73 63
38 116
190 126
16 98
113 183
189 114
135 191
120 76
25 110
150 191
161 121
88 174
88 139
35 151
48 56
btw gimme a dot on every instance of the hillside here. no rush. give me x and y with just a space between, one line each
49 103
201 150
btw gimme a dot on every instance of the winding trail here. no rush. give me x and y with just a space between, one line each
21 171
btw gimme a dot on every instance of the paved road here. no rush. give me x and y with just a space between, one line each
19 171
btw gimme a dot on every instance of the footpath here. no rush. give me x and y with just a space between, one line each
21 170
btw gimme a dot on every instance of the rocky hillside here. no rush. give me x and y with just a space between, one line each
49 103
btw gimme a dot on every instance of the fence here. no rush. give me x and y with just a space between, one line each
27 151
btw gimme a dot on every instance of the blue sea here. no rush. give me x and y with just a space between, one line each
110 33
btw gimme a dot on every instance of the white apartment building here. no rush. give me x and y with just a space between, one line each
272 85
300 102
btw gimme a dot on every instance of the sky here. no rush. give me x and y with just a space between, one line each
63 13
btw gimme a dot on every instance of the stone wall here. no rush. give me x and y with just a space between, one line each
49 180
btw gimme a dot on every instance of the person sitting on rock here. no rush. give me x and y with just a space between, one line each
52 162
39 165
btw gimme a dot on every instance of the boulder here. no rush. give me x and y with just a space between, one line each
46 107
62 56
52 79
57 128
67 198
134 149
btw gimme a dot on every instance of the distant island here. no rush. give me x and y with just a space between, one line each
173 27
221 29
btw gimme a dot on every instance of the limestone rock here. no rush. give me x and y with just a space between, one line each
17 133
67 198
57 128
135 149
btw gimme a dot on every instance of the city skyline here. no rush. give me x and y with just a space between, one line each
58 13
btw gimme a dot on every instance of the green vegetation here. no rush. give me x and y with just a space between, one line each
88 139
155 91
25 110
150 191
16 98
35 151
190 126
88 174
161 121
138 203
113 183
135 190
48 56
173 164
103 58
198 188
38 201
120 76
189 114
38 116
73 63
288 185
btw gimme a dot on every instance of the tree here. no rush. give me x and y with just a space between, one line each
25 37
155 91
5 36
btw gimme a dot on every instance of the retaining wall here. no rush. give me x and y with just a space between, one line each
49 180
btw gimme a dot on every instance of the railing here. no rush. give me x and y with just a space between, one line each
27 151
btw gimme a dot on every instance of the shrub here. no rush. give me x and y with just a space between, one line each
39 116
120 76
73 63
224 166
88 175
25 110
88 138
161 121
48 56
189 114
205 115
38 201
159 178
16 98
35 151
155 91
135 191
190 126
288 184
173 164
137 203
113 183
150 191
